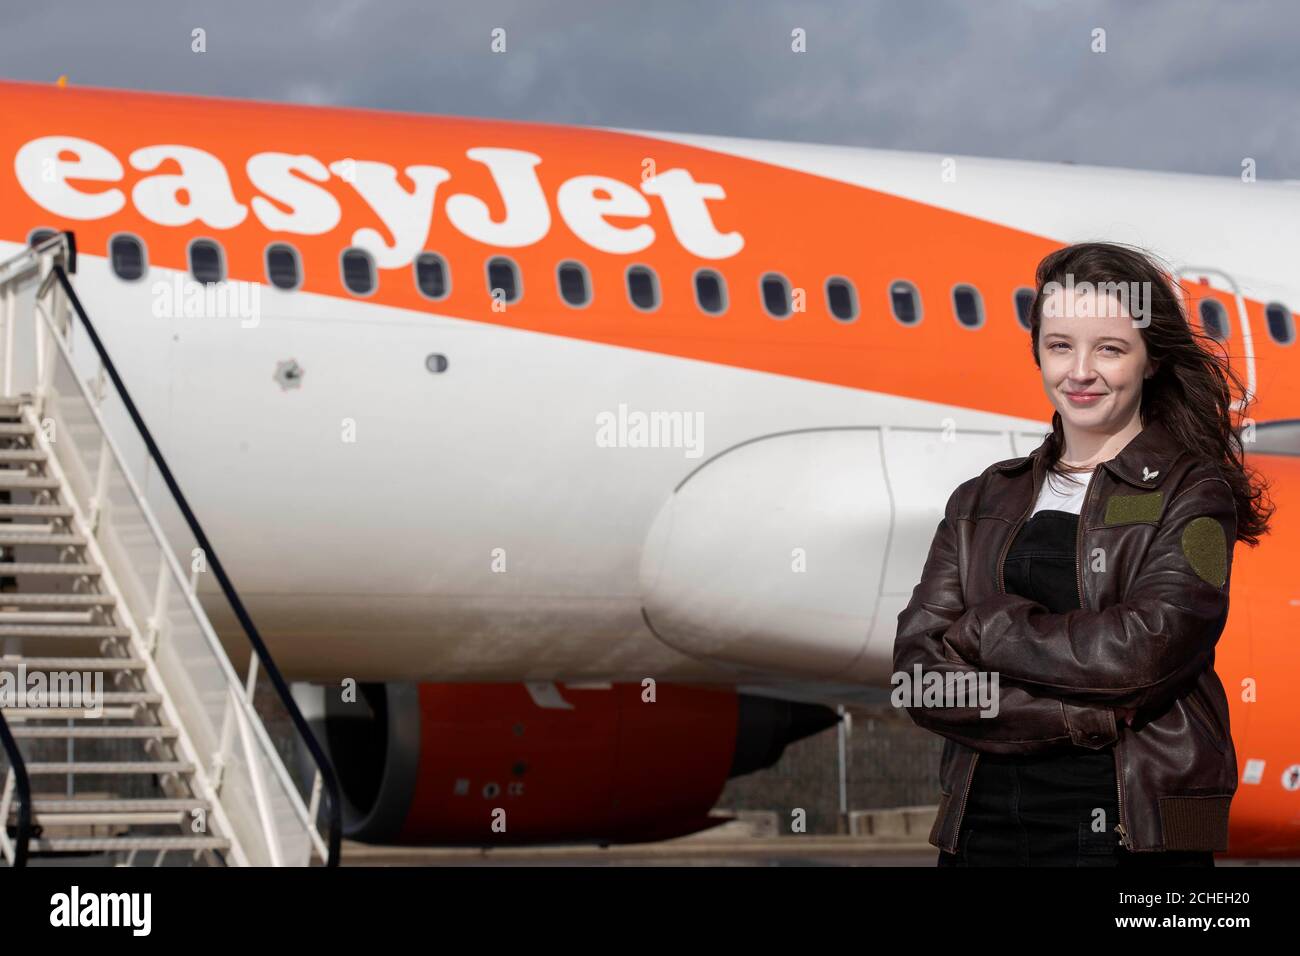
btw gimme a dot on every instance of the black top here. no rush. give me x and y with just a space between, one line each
1038 795
1041 564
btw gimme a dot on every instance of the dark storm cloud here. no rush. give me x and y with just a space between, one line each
1191 86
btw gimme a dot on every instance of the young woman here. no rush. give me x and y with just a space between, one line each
1091 579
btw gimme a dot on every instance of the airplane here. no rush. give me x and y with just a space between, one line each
603 460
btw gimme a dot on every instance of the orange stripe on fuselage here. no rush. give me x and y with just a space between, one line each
806 227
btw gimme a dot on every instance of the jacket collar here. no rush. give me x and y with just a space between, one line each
1143 462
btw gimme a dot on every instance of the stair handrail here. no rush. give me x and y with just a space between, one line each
324 767
325 771
17 846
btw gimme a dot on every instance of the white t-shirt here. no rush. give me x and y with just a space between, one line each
1060 493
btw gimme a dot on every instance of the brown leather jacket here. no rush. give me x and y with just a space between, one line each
1133 667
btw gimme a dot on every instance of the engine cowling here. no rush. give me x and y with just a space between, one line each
511 764
769 556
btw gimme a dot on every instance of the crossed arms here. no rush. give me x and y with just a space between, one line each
1068 678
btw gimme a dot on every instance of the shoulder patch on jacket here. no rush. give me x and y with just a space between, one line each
1206 550
1132 509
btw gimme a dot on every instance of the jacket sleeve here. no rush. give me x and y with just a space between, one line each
1026 721
1139 653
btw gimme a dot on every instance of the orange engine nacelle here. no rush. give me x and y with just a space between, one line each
500 764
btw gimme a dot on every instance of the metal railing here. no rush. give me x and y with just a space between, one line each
18 784
253 796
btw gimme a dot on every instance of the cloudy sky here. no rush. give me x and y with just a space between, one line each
1185 85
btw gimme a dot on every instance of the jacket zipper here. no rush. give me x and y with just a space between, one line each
1119 786
961 811
1006 545
1078 544
1118 752
1033 497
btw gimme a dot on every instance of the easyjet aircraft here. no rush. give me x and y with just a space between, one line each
507 420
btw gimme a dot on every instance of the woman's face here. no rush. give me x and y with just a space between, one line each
1093 359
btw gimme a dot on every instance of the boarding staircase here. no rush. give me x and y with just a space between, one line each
128 735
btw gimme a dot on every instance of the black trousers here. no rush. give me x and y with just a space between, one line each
1050 810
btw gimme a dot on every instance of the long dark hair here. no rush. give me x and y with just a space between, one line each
1191 391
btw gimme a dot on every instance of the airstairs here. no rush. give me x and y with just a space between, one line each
128 735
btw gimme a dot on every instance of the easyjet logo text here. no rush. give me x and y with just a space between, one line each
294 195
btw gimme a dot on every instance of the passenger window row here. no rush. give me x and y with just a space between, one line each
573 283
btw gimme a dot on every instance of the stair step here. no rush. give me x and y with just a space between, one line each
45 617
63 630
34 599
111 767
167 818
16 428
33 527
26 567
22 454
36 511
8 538
15 714
94 733
73 663
12 479
118 804
104 697
87 844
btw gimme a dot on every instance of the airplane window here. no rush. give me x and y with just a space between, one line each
205 261
126 253
841 299
776 295
1214 318
38 236
572 278
431 276
1024 306
503 275
1281 324
642 287
358 271
966 305
282 266
710 292
905 302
